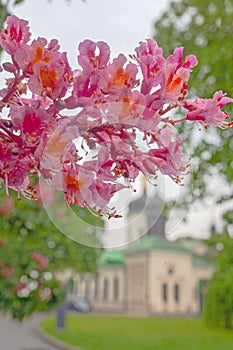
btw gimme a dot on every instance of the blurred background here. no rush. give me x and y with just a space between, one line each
182 265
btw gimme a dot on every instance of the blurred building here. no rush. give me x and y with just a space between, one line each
152 275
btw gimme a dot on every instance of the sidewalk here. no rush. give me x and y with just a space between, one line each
20 336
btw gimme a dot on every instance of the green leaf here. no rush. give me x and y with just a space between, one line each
16 2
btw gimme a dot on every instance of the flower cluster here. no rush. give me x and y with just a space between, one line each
121 125
29 280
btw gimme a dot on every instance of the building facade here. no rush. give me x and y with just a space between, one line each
151 276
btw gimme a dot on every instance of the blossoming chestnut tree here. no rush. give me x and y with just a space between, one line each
32 252
91 131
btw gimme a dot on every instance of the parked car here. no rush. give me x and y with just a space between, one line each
78 304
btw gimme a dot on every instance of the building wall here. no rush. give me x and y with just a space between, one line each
136 281
109 289
149 282
171 283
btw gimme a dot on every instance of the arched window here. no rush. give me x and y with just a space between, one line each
105 292
177 292
164 292
115 289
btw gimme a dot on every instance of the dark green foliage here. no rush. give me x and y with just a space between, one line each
204 28
219 296
25 230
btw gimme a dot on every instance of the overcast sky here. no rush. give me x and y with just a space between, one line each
122 23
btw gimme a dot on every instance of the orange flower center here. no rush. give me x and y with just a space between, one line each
120 77
72 183
173 82
48 78
55 146
39 57
126 105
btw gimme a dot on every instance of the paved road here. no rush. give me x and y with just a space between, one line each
20 336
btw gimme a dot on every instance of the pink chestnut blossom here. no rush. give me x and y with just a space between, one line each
150 58
30 54
208 111
30 120
118 124
176 75
15 167
169 159
101 194
74 181
51 78
14 35
168 77
118 75
93 56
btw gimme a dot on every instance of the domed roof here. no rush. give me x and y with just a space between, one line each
150 207
147 203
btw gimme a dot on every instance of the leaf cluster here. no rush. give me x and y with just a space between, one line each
24 229
204 28
219 296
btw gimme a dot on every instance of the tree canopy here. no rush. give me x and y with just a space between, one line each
219 297
32 250
204 28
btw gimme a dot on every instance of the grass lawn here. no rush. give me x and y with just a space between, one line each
91 332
